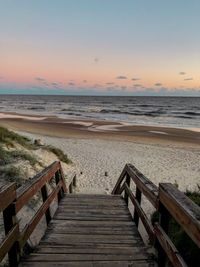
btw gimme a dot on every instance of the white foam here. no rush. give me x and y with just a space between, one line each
12 116
158 132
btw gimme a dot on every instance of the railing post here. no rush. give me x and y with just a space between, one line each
44 198
126 197
10 220
138 197
164 219
71 188
74 181
58 178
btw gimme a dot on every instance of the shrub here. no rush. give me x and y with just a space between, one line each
59 153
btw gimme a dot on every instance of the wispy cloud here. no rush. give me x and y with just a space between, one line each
71 83
96 60
40 79
137 85
121 77
136 79
85 81
188 79
110 83
182 73
158 84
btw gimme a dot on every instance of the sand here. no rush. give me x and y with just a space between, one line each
159 163
162 154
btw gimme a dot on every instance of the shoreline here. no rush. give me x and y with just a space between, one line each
171 157
96 129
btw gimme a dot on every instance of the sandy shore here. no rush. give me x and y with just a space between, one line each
162 154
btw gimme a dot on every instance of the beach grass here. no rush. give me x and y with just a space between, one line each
59 153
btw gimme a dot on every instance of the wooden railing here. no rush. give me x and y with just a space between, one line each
12 201
169 202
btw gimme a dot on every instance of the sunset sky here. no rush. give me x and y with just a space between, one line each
107 47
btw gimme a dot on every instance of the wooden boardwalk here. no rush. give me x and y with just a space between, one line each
91 230
95 230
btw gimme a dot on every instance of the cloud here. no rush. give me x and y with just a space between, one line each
121 77
85 81
158 84
123 88
188 79
40 79
109 83
55 83
135 79
182 73
71 83
137 85
1 77
96 59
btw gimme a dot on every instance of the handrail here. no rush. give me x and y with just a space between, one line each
12 201
169 202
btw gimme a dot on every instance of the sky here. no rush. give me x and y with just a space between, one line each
100 47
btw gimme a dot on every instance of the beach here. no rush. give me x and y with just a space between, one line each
162 154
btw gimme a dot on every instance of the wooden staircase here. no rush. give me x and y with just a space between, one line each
90 230
95 230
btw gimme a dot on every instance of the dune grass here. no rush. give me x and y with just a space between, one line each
59 153
8 137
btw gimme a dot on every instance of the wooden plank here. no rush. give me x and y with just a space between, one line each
149 189
7 195
78 230
91 264
91 223
169 247
63 239
35 220
38 257
119 181
91 218
89 245
141 214
182 209
25 193
8 241
110 251
79 211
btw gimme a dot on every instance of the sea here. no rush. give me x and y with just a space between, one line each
177 112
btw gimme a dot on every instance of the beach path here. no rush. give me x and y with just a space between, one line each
91 230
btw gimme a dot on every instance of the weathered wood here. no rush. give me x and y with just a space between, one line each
138 197
94 250
126 196
119 181
35 220
61 192
169 248
10 222
25 193
113 263
182 209
149 189
7 195
141 214
91 235
44 198
86 257
164 219
9 242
